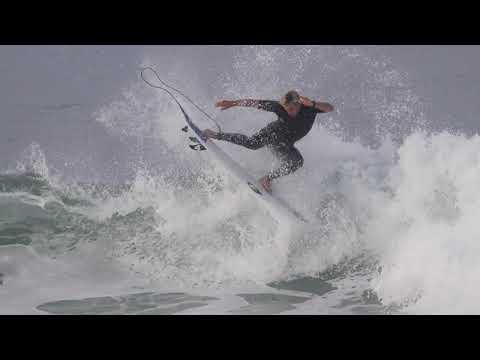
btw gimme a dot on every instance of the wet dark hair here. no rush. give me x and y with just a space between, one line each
291 97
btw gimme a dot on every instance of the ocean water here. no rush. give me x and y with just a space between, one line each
391 204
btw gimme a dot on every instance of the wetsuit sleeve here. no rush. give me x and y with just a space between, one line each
315 110
269 105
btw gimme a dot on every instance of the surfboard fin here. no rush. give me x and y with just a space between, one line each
194 139
185 129
198 147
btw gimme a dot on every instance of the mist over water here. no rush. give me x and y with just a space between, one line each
390 196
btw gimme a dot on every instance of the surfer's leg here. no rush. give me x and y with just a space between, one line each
254 142
291 159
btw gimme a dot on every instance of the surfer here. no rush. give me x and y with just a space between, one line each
296 115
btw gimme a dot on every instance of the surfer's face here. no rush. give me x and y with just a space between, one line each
292 109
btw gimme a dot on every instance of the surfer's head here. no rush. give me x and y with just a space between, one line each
291 103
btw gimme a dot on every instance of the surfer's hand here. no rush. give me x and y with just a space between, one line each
306 101
225 104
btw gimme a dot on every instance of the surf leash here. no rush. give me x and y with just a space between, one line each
165 85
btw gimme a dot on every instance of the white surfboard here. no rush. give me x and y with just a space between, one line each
273 204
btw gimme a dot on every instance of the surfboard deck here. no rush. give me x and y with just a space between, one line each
277 205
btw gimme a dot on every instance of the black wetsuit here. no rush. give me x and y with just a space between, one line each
279 135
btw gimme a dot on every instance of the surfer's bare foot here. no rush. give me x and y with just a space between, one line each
266 183
210 134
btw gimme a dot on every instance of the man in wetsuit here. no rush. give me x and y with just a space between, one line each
296 115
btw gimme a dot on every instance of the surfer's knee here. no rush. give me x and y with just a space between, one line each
295 160
293 165
299 161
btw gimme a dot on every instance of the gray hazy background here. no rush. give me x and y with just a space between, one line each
49 94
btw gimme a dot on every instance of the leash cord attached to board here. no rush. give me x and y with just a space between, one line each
178 91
